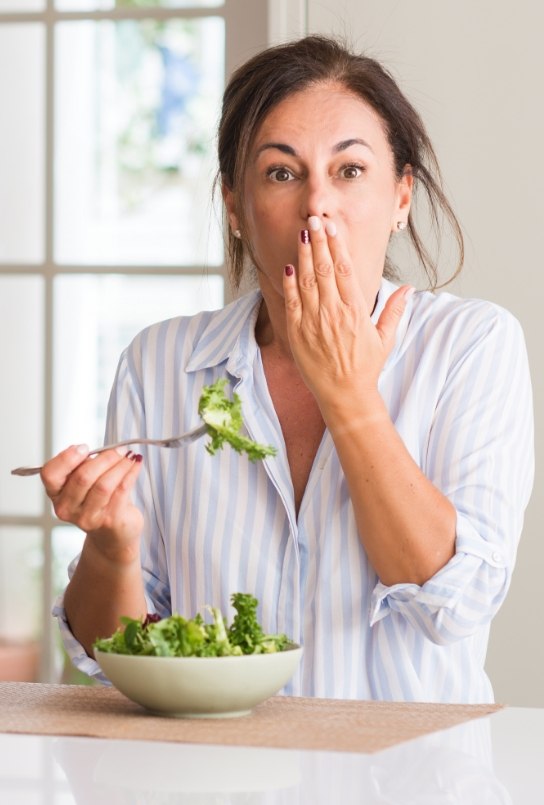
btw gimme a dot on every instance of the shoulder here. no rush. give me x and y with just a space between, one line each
451 320
441 330
180 338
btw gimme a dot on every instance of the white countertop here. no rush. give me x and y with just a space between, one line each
487 761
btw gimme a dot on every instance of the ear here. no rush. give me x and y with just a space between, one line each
230 206
405 187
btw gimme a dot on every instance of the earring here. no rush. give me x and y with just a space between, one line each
237 233
401 225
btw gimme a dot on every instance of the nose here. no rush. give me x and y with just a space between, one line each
316 198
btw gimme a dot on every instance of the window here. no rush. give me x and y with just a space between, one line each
109 109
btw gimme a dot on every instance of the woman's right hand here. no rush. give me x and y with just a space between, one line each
93 493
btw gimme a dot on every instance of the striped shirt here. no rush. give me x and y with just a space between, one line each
458 390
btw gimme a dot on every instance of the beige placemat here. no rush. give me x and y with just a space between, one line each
282 722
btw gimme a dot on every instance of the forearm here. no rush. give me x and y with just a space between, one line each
101 591
406 525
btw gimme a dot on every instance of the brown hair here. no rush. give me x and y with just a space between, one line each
276 73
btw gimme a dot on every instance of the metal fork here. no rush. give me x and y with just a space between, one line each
172 441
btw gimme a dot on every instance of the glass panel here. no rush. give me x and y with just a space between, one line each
95 319
136 114
21 571
67 542
107 5
22 143
21 370
21 5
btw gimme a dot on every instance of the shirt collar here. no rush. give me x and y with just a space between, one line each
386 289
229 335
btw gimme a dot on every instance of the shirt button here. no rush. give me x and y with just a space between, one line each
496 556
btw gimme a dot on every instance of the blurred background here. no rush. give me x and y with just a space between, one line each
109 110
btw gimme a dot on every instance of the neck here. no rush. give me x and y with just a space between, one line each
271 329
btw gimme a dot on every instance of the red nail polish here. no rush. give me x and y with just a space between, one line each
289 271
128 454
305 236
138 458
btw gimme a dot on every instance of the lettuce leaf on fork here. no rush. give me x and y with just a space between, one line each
223 418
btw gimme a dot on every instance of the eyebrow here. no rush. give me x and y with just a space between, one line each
288 149
348 143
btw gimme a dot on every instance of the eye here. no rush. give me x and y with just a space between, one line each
351 171
279 174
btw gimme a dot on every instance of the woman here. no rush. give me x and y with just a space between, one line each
383 534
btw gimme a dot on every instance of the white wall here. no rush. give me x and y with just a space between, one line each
475 72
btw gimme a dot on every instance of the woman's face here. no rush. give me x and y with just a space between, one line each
324 152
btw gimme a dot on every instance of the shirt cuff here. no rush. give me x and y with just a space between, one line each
473 565
73 647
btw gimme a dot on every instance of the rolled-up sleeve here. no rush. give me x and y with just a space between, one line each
480 454
75 651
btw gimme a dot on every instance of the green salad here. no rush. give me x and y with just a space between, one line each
176 636
223 418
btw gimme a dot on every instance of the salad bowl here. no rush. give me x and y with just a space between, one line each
200 687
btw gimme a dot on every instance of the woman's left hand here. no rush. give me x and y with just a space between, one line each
334 342
406 525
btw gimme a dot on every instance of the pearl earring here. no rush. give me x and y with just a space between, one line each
401 225
237 233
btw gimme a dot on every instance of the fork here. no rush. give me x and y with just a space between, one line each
172 441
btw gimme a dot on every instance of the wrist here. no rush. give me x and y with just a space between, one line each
105 549
355 410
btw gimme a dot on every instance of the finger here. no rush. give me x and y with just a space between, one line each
90 489
391 315
323 263
291 295
57 470
124 488
77 485
346 282
305 274
108 496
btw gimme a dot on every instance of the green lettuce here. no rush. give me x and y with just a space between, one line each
223 418
176 636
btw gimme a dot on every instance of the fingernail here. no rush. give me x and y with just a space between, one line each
314 223
305 236
289 270
82 449
137 458
330 229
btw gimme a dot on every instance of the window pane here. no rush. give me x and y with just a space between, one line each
21 407
21 5
106 5
136 114
22 143
67 542
95 319
21 571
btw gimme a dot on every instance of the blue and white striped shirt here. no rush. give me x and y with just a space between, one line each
458 390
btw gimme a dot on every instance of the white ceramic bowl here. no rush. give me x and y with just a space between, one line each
200 687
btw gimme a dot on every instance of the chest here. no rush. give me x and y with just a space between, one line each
300 420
